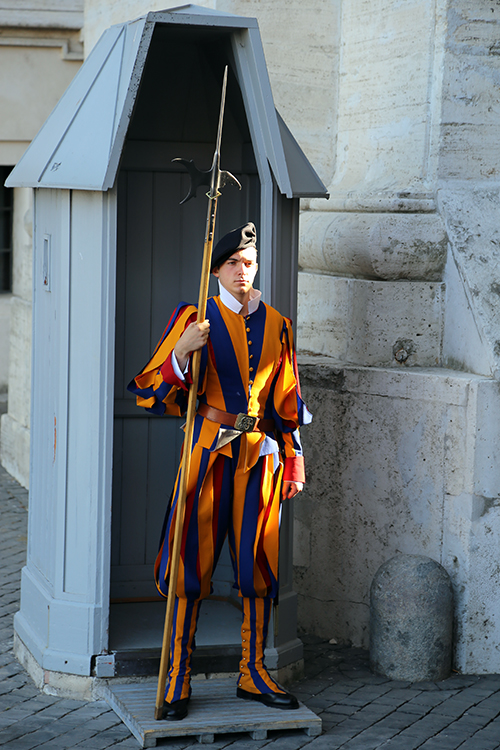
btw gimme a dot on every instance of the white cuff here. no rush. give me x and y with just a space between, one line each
177 369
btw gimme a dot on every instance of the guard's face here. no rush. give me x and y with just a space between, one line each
237 273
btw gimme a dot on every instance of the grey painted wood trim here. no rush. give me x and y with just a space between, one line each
125 115
304 180
99 641
68 565
259 105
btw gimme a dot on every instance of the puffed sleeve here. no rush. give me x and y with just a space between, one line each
290 412
157 387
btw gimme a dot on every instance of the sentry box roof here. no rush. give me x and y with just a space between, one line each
81 143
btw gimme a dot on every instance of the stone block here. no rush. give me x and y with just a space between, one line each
370 323
487 444
464 345
4 340
470 526
22 235
468 146
411 619
20 362
15 449
471 336
37 78
322 318
387 246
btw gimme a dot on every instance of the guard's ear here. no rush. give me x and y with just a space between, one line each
215 272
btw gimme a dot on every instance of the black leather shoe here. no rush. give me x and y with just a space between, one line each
273 700
176 710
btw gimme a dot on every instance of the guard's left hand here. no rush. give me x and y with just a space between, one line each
290 489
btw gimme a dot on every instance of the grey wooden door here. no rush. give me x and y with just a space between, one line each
159 252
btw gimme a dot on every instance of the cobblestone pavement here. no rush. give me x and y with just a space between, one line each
360 710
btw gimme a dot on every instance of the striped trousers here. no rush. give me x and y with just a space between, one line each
253 677
224 498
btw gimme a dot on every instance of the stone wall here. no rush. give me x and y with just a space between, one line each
4 340
40 52
14 435
469 149
399 461
399 278
469 194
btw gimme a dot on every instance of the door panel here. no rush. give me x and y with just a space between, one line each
158 264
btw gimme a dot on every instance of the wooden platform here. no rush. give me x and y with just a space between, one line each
214 709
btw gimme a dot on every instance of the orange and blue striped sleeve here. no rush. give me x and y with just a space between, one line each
290 412
156 387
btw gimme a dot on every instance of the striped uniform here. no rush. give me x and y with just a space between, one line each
248 365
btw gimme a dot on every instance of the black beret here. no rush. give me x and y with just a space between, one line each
238 239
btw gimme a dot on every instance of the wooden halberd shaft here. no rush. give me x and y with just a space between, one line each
213 196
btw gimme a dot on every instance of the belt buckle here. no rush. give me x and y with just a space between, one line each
245 423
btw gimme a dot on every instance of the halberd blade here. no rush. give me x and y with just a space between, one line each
214 178
198 177
226 178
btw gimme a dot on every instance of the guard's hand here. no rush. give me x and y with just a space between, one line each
290 489
194 337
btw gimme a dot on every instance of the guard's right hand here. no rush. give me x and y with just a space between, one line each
194 337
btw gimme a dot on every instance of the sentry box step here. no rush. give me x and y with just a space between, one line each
213 709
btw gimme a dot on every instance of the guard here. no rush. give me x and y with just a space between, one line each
246 457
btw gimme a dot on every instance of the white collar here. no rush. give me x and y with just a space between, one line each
232 303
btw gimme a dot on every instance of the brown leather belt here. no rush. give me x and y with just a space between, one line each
242 422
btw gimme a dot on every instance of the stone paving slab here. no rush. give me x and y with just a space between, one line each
359 710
